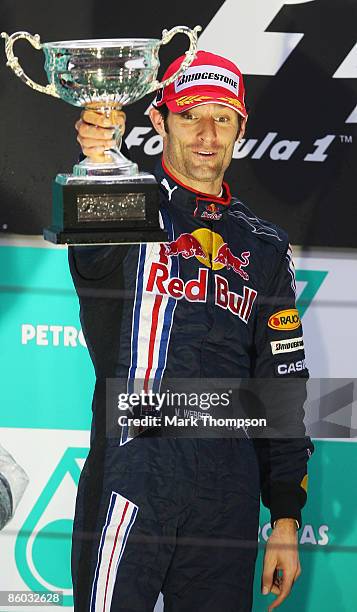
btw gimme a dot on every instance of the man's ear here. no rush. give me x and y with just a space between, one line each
242 129
157 121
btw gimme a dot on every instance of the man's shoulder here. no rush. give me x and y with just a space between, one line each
266 232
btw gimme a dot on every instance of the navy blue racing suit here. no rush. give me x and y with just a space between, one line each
172 513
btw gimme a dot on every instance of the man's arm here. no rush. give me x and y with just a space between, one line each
95 134
280 386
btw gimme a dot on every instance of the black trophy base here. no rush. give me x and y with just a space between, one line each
59 236
105 210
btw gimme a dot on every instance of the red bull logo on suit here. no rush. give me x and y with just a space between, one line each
226 257
186 245
210 249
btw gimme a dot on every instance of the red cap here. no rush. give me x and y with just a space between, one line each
210 79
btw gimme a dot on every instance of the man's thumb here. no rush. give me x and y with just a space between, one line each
267 580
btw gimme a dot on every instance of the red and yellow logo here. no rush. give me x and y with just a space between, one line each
210 243
285 320
212 207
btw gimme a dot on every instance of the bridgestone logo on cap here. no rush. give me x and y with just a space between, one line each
287 346
208 76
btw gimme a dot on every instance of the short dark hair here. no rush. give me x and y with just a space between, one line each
164 112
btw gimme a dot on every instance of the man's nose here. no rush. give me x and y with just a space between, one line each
207 130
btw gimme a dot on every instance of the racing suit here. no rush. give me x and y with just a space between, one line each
176 514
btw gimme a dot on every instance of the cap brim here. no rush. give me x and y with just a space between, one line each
180 108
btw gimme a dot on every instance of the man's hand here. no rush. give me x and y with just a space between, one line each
281 553
96 132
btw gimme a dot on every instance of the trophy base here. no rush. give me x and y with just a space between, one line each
105 210
57 236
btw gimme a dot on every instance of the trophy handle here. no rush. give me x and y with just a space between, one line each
14 64
167 35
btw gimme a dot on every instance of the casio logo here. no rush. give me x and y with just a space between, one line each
291 368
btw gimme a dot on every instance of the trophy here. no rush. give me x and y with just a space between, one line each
109 200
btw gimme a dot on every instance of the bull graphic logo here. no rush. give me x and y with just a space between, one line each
212 207
186 245
210 250
225 256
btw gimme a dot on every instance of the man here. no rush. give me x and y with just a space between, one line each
174 514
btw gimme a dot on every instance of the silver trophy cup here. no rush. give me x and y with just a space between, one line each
109 200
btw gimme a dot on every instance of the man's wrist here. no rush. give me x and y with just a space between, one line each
287 521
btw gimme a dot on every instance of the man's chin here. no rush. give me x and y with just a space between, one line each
205 174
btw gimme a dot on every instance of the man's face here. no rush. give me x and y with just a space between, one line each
199 142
